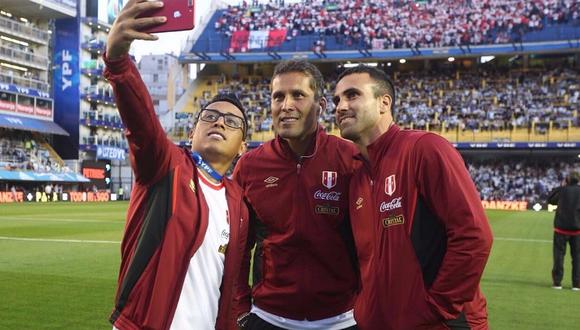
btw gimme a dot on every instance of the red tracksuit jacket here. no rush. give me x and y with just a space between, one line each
304 264
167 217
421 235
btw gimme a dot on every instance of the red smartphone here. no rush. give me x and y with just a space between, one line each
179 15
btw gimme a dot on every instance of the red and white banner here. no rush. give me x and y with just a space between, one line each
43 112
242 41
27 109
7 106
258 39
378 43
276 37
239 41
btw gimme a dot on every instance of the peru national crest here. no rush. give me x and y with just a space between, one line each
329 179
390 185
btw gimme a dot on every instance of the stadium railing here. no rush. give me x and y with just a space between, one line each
22 57
14 27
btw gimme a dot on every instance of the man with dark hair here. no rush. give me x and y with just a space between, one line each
232 99
186 225
421 233
566 229
383 84
305 273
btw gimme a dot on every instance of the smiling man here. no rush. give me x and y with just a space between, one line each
305 274
186 224
421 233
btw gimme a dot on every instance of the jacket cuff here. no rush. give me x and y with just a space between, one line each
118 65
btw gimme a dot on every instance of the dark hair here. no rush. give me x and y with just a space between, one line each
230 98
307 68
573 178
384 84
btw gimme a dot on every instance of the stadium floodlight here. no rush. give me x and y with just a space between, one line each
5 13
389 64
451 59
402 61
24 20
12 66
578 155
485 59
25 44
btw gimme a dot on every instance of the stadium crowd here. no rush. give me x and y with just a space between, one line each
517 180
489 100
470 100
402 24
19 150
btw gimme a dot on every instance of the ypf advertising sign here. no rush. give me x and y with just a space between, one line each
66 83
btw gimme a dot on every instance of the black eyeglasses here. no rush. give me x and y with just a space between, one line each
231 120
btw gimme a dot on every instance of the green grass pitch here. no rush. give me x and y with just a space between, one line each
59 263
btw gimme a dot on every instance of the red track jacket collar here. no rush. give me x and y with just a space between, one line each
281 147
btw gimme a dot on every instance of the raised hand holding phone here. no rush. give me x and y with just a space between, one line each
129 26
179 14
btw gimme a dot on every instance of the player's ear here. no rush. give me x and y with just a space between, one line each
192 132
322 106
386 103
243 148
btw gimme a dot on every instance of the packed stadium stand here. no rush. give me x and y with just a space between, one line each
499 79
540 101
343 24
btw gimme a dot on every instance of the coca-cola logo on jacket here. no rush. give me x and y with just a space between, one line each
392 205
327 196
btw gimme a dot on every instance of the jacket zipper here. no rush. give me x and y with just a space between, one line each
379 232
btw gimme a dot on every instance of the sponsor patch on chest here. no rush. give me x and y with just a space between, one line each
393 204
393 221
327 209
327 196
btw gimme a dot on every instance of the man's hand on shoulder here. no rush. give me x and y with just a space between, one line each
127 27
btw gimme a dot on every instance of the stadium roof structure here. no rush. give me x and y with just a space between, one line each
39 9
31 124
6 175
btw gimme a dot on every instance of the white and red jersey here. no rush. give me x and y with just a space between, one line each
198 302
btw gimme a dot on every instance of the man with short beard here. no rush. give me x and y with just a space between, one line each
305 273
421 233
